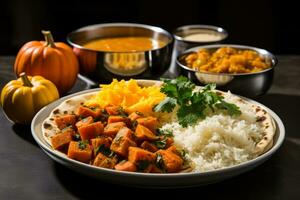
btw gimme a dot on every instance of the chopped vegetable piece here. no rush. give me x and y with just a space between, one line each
163 142
82 144
97 142
141 158
149 147
122 141
171 161
104 161
65 121
91 131
84 122
165 132
83 155
113 110
113 128
84 112
60 140
126 166
173 149
135 115
149 122
143 133
112 119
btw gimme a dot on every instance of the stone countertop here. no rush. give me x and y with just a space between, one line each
26 172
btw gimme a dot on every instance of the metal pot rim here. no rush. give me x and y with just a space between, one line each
104 25
199 26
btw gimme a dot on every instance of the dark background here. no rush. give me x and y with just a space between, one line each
272 25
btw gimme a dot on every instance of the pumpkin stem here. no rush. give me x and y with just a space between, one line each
25 80
48 38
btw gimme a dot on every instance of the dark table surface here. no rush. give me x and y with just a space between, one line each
26 172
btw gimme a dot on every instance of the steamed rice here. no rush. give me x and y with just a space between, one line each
219 140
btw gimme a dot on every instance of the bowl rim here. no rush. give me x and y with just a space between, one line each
280 131
260 51
217 29
119 24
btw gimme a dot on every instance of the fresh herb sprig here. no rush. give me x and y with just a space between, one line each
193 105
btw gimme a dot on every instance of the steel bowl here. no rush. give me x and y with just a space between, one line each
245 84
181 44
102 66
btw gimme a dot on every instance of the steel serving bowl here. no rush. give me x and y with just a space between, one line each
102 66
181 44
246 84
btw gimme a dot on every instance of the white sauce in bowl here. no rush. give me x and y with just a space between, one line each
203 37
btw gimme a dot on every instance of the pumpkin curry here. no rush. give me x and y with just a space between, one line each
124 44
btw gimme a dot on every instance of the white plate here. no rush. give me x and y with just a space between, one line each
145 179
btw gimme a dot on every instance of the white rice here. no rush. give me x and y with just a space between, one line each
219 140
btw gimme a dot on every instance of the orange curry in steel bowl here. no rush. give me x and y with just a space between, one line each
226 60
243 70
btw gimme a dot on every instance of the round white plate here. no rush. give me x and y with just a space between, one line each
145 179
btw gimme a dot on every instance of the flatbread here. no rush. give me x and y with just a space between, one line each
69 106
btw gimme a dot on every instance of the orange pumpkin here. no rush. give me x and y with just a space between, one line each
87 60
54 61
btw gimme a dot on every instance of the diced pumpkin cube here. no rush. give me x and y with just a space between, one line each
122 141
84 122
126 166
65 121
173 149
104 161
113 128
149 147
98 142
171 161
61 140
135 115
143 159
143 133
91 131
84 112
113 119
80 151
149 122
155 169
113 110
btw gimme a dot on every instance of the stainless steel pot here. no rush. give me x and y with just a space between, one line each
102 66
181 44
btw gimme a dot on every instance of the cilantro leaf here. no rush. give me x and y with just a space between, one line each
165 132
82 144
232 109
187 115
166 105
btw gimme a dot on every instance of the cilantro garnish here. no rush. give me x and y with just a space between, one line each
161 144
143 164
193 105
104 150
159 162
82 144
165 132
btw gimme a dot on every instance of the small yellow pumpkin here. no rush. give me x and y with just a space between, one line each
21 99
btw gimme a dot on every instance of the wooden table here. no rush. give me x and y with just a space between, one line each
26 172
